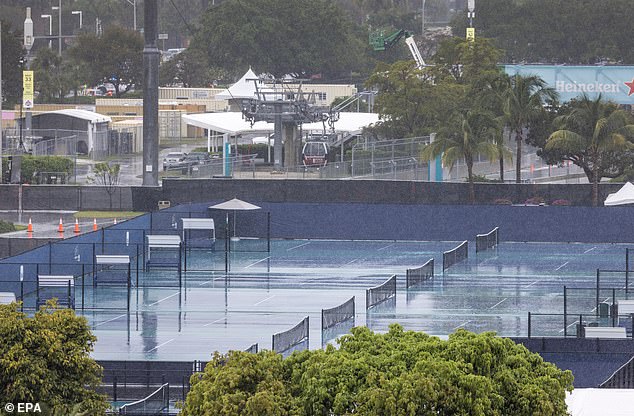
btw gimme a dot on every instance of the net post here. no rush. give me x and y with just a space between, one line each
22 295
137 266
529 325
307 333
82 286
114 387
268 232
597 294
612 308
565 312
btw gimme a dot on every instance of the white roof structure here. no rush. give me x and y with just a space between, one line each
233 123
84 115
600 402
244 88
623 196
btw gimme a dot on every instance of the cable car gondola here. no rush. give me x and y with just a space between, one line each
315 154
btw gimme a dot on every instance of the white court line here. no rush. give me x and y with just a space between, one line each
352 261
301 245
574 323
264 300
383 248
497 304
209 281
461 325
160 345
563 265
527 286
109 320
259 261
165 298
589 250
216 321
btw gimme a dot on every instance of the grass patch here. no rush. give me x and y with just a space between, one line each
107 214
8 227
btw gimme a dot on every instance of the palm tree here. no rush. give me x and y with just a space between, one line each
589 134
523 101
471 133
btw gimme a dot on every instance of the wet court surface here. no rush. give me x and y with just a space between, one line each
266 293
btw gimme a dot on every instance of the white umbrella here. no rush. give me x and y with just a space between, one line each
234 205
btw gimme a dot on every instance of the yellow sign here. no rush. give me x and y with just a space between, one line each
471 34
27 89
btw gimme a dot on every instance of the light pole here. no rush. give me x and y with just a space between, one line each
79 12
422 20
50 29
59 27
133 3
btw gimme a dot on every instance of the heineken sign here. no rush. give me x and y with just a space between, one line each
615 83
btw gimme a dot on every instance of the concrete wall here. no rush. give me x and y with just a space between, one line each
65 197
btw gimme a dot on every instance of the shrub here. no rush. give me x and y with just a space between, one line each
6 227
503 201
561 202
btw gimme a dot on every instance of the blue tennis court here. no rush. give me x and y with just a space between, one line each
266 292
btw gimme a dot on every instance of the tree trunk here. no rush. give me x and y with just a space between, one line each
518 161
595 187
501 168
471 184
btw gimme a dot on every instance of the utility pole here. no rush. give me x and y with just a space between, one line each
1 169
151 57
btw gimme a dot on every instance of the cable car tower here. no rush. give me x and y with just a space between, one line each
287 107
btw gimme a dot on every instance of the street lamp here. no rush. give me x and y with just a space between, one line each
50 29
422 18
133 3
59 27
79 12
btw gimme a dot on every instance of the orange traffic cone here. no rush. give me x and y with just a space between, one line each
94 224
61 226
76 230
29 228
115 221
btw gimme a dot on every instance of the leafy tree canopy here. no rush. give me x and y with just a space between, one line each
46 359
280 37
397 373
556 31
115 57
12 54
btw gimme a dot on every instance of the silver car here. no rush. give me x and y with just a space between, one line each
173 159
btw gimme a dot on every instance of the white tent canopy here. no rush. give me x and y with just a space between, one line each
600 402
244 88
623 196
233 123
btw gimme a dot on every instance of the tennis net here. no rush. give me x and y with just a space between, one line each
153 404
282 341
378 294
488 240
455 255
338 314
419 274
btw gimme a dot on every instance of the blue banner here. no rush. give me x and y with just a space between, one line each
614 83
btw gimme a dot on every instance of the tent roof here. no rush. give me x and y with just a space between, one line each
82 114
244 88
233 123
235 204
623 196
605 402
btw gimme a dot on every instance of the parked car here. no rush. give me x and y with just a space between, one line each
193 159
173 160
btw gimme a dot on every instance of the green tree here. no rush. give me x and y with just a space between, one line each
46 359
590 136
32 166
470 134
523 102
12 56
408 102
107 176
115 57
281 37
397 373
191 69
52 79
